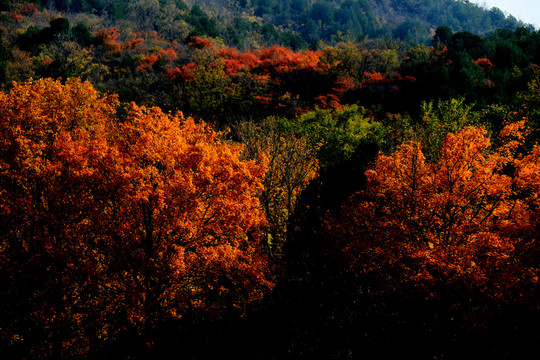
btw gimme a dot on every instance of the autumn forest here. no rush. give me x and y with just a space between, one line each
268 179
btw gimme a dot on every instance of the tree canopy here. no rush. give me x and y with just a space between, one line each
117 223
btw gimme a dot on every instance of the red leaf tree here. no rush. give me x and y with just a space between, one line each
463 227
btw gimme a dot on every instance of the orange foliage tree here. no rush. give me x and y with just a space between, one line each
108 37
465 225
116 223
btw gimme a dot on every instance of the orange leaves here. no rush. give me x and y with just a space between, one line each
148 62
14 15
137 39
146 215
164 57
512 136
28 9
467 146
52 145
227 270
405 175
273 60
465 168
344 84
187 71
200 198
280 59
73 105
201 43
373 77
485 64
108 38
329 101
213 191
236 61
458 221
167 55
41 110
264 100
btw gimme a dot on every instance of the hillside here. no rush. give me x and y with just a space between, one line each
268 180
295 23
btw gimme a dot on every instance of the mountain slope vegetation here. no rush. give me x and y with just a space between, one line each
296 23
268 180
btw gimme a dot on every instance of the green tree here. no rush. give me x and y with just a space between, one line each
340 132
322 13
412 30
443 34
210 93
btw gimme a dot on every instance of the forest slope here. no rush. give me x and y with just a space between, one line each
296 23
268 180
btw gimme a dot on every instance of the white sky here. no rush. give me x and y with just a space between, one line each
527 11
